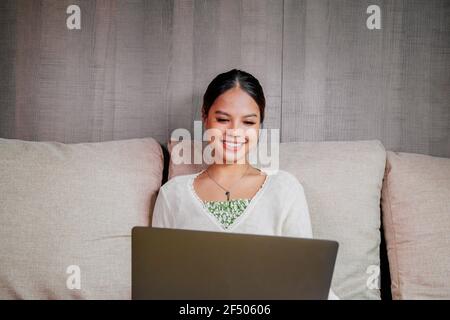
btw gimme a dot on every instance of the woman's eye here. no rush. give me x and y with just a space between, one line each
249 123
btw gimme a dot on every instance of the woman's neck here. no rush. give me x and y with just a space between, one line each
229 170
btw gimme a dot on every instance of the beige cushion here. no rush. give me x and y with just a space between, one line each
73 204
416 218
342 182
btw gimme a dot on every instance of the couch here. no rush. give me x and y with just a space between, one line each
67 210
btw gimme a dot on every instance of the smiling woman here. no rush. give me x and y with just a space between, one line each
231 195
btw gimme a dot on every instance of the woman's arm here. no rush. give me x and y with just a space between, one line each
162 215
297 222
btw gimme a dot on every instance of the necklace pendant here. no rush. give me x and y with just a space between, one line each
228 195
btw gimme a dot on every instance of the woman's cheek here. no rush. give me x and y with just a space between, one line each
252 137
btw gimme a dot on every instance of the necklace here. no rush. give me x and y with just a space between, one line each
227 192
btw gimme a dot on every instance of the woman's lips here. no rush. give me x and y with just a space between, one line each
233 146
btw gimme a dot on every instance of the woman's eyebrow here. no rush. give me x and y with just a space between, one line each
222 112
227 114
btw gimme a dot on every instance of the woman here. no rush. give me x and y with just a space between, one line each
231 195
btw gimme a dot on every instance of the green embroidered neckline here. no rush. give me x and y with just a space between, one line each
227 211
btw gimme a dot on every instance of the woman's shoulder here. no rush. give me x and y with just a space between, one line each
285 183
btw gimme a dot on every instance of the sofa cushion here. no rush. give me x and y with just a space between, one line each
342 182
416 220
66 216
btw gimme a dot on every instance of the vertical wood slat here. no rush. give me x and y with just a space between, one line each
7 58
440 88
141 71
28 17
181 110
61 60
261 51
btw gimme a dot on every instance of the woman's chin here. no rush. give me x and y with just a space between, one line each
234 156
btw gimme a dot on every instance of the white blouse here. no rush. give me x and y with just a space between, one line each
279 208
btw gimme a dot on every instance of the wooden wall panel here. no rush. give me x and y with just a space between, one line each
139 68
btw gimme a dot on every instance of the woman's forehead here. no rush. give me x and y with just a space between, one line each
235 101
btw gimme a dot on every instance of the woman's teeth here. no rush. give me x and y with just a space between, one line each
232 145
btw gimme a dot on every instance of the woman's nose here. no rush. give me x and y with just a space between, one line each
235 132
235 125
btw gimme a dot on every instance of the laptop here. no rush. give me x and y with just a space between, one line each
180 264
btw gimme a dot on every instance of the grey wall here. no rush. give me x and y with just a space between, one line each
140 68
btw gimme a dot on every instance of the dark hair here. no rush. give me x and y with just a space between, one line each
228 80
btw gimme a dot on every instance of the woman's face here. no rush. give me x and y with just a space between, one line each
235 122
